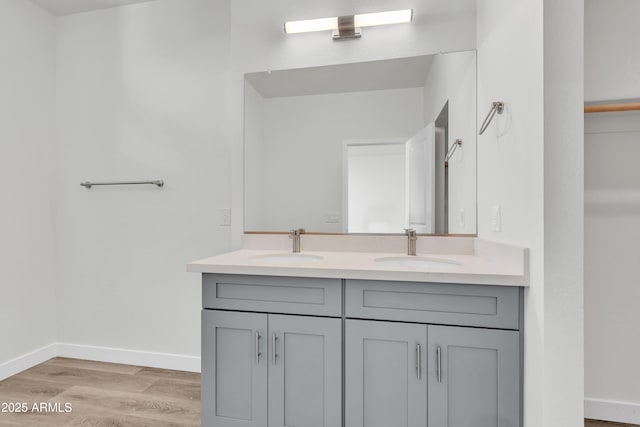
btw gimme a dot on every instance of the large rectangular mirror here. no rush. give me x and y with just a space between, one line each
373 147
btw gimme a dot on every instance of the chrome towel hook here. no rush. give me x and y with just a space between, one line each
496 107
457 143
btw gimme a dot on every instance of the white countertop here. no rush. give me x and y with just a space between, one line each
486 263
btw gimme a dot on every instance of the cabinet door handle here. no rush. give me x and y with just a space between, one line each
274 347
258 353
439 364
419 361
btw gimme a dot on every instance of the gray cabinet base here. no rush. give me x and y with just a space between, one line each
387 345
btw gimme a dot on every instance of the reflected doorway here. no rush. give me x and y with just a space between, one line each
441 172
374 181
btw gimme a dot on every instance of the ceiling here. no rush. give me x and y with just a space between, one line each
68 7
435 9
355 77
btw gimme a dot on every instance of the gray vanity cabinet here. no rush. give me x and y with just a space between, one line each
474 379
463 377
262 370
402 365
280 351
386 382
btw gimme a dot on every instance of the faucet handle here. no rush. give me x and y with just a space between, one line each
412 240
410 232
296 232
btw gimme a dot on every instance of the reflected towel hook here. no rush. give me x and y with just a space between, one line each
457 143
496 107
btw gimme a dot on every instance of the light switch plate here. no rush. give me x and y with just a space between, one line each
496 218
225 217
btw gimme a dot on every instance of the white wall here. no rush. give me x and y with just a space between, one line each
452 77
27 97
612 63
612 213
612 232
146 91
258 44
529 163
510 160
564 212
314 128
141 94
114 117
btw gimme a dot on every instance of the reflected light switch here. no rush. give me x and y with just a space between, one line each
225 217
332 217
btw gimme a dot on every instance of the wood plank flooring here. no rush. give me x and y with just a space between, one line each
101 394
110 395
596 423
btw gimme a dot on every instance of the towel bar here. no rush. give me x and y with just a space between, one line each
159 183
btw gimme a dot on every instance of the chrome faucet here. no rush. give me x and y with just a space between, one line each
295 235
413 238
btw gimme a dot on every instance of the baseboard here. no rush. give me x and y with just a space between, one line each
178 362
26 361
609 410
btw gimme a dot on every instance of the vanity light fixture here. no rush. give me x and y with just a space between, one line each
348 27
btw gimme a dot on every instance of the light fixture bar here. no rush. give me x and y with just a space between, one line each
309 25
383 18
346 28
359 20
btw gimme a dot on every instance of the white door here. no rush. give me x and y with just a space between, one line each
374 186
421 180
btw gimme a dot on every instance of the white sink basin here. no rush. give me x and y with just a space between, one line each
287 258
418 261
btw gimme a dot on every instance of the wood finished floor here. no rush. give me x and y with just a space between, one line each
103 394
110 395
595 423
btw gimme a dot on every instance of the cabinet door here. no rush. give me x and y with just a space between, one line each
305 371
234 369
474 379
386 381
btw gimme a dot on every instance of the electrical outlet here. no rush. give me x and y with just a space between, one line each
496 218
225 217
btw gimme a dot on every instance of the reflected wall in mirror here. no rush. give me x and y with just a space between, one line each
362 148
